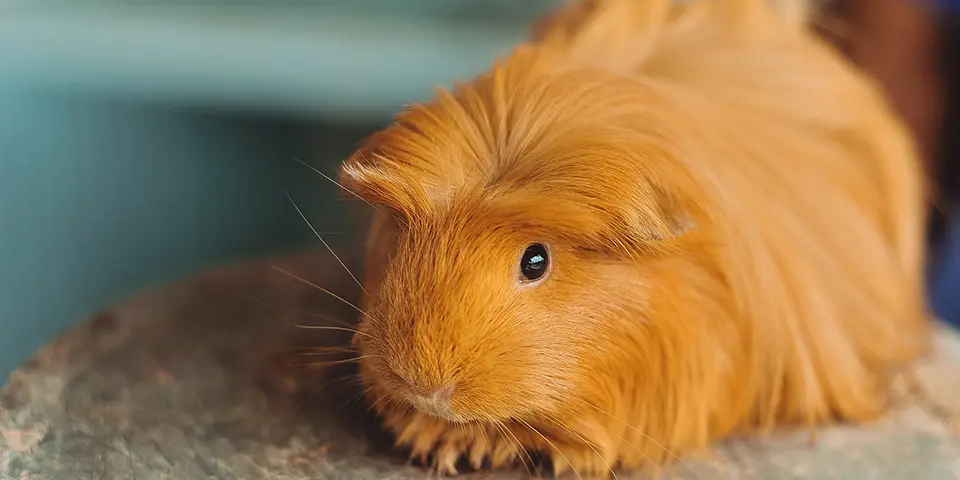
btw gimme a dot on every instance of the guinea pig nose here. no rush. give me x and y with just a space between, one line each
436 402
444 393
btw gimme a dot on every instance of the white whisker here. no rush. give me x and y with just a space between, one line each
301 312
324 242
318 172
318 287
339 329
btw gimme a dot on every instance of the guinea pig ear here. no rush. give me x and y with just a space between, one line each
676 225
653 226
665 218
653 234
377 181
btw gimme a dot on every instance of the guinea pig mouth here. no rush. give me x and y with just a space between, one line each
435 407
436 399
435 402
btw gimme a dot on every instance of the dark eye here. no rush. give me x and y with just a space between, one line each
534 263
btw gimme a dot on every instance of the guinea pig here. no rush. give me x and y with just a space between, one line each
653 225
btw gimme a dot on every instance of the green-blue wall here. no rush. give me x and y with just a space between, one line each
100 200
140 141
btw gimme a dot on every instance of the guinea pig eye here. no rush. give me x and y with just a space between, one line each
534 263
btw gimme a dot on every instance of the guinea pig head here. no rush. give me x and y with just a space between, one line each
463 322
509 215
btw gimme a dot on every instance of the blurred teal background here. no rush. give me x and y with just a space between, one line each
141 141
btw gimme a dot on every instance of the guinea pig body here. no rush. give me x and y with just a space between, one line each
654 225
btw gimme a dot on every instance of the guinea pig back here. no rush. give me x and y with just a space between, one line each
653 225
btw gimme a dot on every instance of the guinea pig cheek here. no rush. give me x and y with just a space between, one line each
480 376
462 360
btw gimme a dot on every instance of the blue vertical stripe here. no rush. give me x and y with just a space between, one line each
945 285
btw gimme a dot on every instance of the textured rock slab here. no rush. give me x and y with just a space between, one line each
189 383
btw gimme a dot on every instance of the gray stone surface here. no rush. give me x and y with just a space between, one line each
196 381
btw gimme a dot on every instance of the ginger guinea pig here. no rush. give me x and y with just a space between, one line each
655 224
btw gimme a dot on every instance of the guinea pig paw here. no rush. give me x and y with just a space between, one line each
476 445
480 448
422 442
487 448
432 444
431 441
580 463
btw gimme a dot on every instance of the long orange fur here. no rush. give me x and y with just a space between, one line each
735 222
